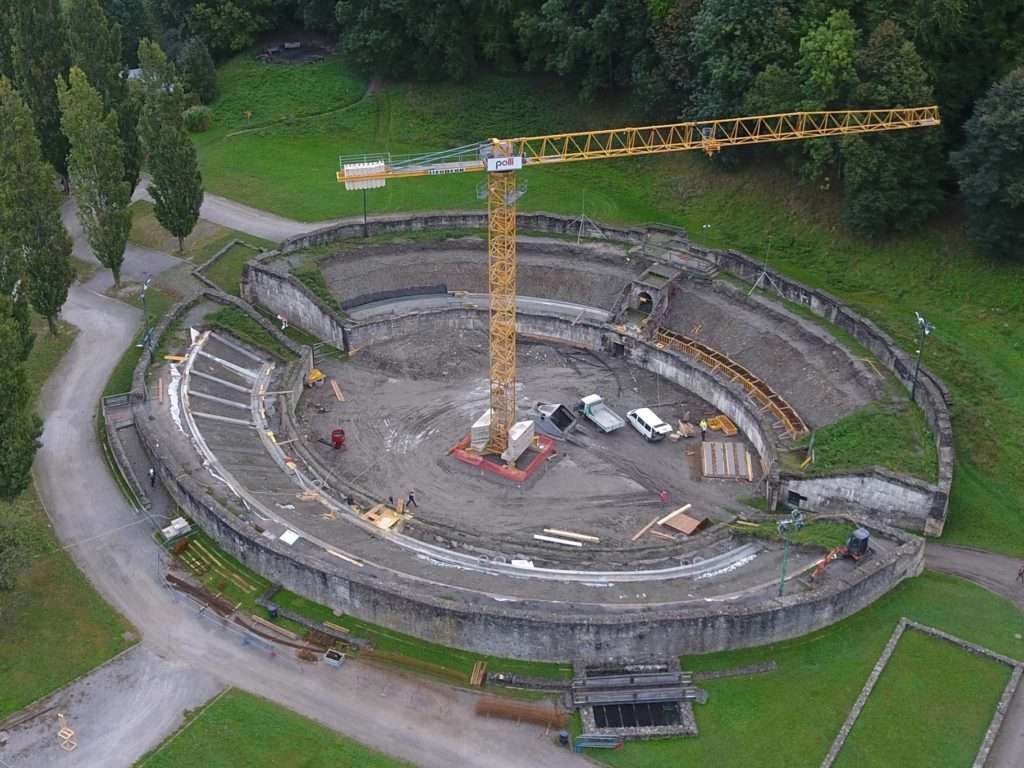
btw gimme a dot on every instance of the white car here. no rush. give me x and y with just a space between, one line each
646 422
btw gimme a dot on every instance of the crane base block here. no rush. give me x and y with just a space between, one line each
527 466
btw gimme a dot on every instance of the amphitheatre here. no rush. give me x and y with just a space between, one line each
641 316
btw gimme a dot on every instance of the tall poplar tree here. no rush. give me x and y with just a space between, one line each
94 43
177 188
96 165
19 425
39 56
34 246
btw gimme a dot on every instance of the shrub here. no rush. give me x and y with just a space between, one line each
198 119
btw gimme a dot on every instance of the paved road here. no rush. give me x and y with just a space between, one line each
996 573
235 215
127 705
426 723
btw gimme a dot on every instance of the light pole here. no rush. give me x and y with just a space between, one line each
925 328
795 522
366 231
145 313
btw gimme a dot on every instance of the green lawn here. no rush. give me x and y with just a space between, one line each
825 534
234 321
158 302
53 625
206 239
788 718
942 717
976 305
397 646
239 729
226 272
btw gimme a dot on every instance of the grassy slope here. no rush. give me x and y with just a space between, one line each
951 711
977 306
241 729
788 718
53 626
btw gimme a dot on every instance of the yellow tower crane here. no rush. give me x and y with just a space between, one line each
501 158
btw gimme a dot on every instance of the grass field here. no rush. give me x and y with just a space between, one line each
976 305
788 718
158 301
239 729
942 717
53 625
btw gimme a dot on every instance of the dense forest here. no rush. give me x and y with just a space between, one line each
694 59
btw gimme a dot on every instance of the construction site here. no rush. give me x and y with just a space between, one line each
552 444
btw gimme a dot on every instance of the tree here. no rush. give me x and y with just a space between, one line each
991 169
39 56
891 180
594 41
96 165
827 74
6 66
198 71
229 26
95 47
18 424
730 45
177 188
135 20
34 247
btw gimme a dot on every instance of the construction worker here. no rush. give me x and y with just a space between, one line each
152 477
1020 575
412 500
703 429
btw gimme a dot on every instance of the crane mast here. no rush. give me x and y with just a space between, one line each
502 158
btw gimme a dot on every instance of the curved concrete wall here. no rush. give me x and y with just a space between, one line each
923 507
524 629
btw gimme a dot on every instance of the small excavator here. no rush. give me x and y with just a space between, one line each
856 548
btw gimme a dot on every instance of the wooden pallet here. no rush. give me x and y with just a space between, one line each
728 461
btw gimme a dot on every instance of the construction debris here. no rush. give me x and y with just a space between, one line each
686 524
645 529
337 391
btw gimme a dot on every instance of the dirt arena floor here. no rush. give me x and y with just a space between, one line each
408 401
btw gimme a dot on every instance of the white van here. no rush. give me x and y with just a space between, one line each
647 423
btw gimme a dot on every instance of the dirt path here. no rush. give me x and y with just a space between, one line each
996 573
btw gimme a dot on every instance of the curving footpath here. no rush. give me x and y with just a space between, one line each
426 723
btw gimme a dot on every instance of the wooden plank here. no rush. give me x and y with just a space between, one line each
335 627
572 535
337 391
270 625
750 469
661 535
645 529
670 515
686 524
175 358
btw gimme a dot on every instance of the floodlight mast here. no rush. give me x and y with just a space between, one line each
502 158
